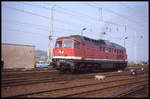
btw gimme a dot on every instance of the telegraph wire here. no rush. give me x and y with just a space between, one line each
25 23
57 29
125 26
66 22
27 32
48 17
43 16
108 10
128 7
37 6
36 26
65 29
31 13
105 21
78 14
108 22
76 17
68 12
71 12
29 25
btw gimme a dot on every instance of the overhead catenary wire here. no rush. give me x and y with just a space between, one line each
70 22
77 14
81 15
72 15
28 12
36 14
66 22
55 19
125 26
48 18
36 26
68 12
58 29
28 25
93 19
129 7
109 10
25 23
109 22
117 14
29 33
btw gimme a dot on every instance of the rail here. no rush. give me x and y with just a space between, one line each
125 91
6 83
103 82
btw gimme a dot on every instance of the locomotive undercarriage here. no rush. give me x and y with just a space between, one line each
69 65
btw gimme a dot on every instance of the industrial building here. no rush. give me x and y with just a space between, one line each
17 56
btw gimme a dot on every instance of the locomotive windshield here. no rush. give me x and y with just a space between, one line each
58 44
68 44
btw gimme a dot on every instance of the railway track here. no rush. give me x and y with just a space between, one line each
20 71
49 77
143 92
18 74
103 88
34 79
137 90
101 92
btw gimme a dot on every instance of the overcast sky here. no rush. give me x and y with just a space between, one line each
28 23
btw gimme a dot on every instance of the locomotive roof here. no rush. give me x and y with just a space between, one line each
87 40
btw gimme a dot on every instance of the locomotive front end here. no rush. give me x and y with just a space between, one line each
64 54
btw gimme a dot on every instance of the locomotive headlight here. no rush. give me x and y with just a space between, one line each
61 51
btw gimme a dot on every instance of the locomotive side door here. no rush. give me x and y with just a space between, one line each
77 48
83 50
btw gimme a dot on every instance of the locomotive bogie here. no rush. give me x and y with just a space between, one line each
87 65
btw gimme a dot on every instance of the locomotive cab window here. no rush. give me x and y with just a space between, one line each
76 45
68 44
58 44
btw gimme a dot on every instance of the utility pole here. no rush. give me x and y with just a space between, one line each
100 14
135 48
100 18
82 31
124 40
50 37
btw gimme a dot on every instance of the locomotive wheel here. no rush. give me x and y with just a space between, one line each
62 69
123 68
81 66
72 71
96 67
77 68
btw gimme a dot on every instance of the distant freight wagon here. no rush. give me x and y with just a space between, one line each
80 53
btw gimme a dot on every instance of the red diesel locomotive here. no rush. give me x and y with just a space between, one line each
80 53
